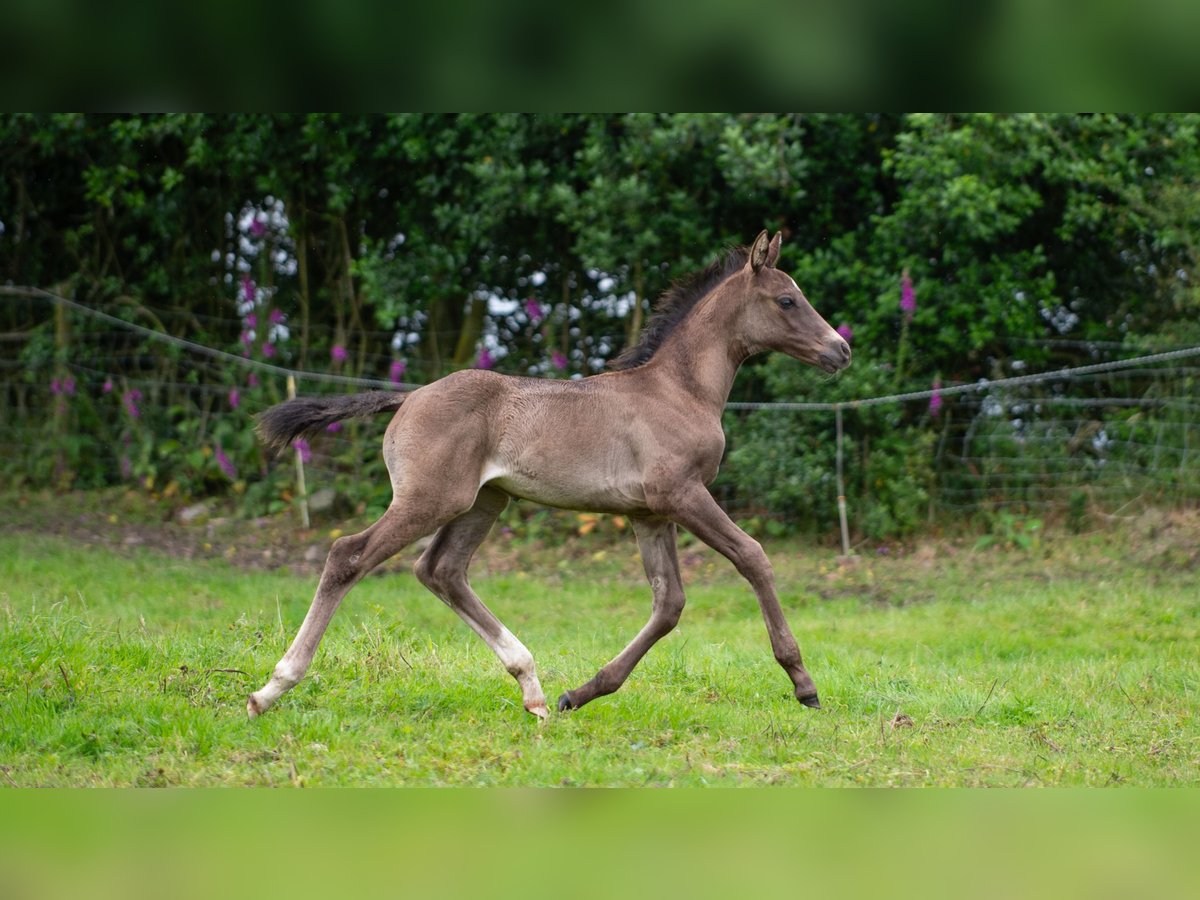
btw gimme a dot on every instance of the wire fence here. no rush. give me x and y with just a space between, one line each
1101 438
89 385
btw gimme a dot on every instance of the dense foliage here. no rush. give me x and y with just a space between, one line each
406 246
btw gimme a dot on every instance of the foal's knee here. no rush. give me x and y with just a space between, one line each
752 562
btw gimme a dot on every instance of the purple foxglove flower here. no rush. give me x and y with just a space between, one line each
235 398
935 400
303 449
131 399
846 332
558 360
268 350
485 360
908 297
333 427
276 316
533 309
107 386
338 353
257 227
396 371
252 380
249 291
55 387
225 463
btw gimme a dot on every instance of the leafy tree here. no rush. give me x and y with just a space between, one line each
411 245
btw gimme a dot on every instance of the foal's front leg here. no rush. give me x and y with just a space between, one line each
656 541
695 509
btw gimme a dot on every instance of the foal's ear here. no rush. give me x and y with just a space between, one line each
773 250
758 252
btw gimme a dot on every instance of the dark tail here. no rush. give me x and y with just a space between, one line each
305 416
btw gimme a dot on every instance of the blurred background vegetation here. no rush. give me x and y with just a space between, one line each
950 248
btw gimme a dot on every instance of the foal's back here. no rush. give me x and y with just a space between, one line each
580 444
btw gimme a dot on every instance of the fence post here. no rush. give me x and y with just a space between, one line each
62 353
301 487
841 484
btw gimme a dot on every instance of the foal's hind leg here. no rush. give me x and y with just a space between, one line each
656 540
443 569
349 560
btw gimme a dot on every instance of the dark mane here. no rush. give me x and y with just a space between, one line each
674 305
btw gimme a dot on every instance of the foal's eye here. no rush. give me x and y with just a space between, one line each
786 302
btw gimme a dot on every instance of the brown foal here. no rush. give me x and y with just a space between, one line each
643 441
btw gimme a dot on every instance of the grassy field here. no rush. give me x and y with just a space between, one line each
1071 664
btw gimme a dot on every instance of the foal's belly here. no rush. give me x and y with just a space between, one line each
569 490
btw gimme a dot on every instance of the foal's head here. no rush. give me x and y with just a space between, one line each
777 316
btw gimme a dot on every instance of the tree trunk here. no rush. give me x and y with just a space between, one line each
468 336
637 316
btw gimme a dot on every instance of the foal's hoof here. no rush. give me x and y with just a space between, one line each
565 702
810 700
539 710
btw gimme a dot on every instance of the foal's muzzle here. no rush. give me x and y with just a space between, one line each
835 356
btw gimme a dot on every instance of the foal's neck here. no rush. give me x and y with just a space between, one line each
705 351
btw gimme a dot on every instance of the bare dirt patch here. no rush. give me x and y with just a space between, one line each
126 522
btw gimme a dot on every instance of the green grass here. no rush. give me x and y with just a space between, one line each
1073 665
